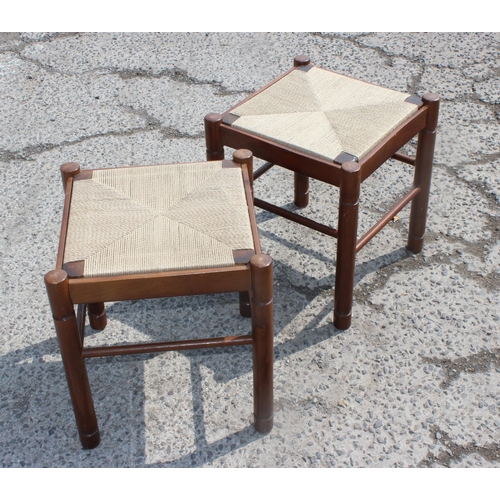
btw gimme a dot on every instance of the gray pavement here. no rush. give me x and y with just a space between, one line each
413 383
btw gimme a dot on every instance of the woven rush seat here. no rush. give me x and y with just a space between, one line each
159 231
325 114
156 218
338 130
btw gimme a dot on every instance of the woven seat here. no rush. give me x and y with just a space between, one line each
159 231
158 218
338 130
323 113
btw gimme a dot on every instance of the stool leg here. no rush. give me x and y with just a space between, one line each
301 190
301 60
423 173
213 137
262 331
63 312
69 170
245 308
350 180
244 157
97 316
301 181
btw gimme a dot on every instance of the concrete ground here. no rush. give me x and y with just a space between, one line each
413 383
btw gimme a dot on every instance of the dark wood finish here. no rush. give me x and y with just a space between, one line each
245 157
301 60
213 139
262 170
301 190
159 285
64 223
74 269
404 158
245 306
69 170
283 156
97 316
220 133
423 174
178 345
388 216
63 312
80 319
300 219
251 277
263 341
346 243
301 181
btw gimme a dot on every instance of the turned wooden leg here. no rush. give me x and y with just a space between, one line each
213 137
261 268
244 157
301 190
63 312
301 60
301 181
346 246
97 316
69 170
423 174
245 307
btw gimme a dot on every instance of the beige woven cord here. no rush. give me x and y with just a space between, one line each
158 218
323 113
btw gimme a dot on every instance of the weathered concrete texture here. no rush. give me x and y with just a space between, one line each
415 382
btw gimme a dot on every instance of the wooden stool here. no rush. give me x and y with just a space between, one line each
338 130
159 231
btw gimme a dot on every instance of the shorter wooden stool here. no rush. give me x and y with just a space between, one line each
159 231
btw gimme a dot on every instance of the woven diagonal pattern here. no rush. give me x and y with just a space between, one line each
158 218
324 114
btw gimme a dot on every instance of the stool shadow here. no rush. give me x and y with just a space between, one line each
36 408
25 374
237 362
362 270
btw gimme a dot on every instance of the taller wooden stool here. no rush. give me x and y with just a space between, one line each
159 231
338 130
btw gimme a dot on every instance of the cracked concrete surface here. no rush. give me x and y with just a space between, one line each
413 383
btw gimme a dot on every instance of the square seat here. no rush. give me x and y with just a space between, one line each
157 218
324 114
159 231
338 130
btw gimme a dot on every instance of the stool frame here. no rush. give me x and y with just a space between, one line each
252 279
348 176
